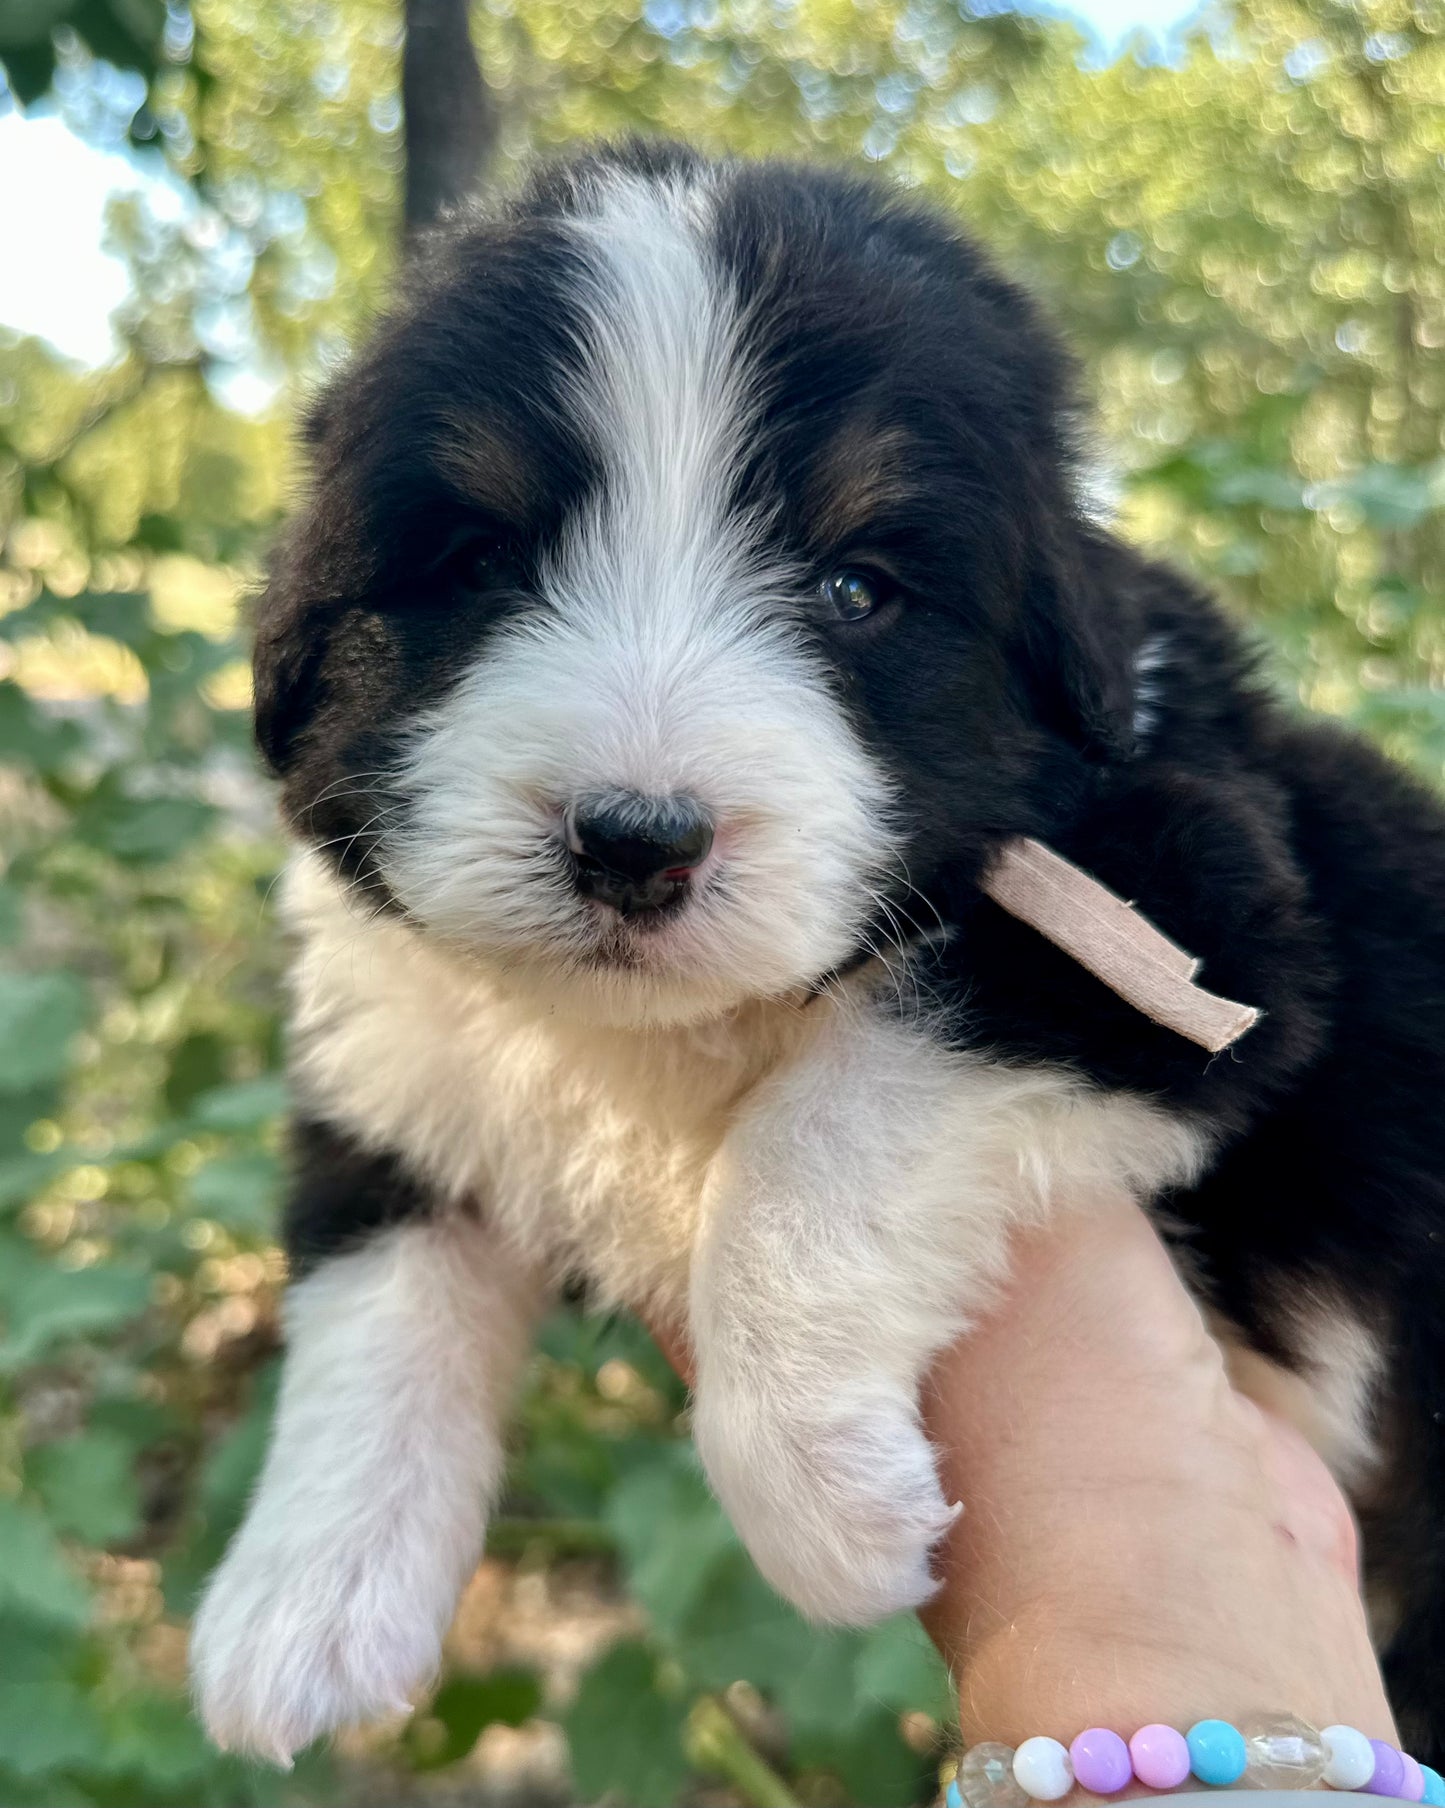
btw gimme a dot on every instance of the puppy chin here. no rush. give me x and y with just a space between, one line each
656 979
632 998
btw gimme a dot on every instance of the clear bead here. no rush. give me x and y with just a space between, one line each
1284 1753
986 1777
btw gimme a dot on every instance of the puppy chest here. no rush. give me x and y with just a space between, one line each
590 1146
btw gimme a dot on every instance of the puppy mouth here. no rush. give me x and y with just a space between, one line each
634 935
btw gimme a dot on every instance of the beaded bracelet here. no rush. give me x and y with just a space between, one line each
1275 1751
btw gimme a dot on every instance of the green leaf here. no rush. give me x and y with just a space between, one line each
625 1730
11 914
899 1667
243 1105
463 1708
238 1190
45 1304
122 615
1394 496
48 1726
871 1756
142 830
1264 488
40 1016
700 1588
235 1462
158 1741
819 1693
198 1063
29 735
737 1627
35 1579
226 1481
672 1533
22 1176
87 1485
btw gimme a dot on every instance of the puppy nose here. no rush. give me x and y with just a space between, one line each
636 852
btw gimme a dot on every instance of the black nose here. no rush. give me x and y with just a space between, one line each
634 852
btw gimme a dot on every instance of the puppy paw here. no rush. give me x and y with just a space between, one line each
840 1513
290 1645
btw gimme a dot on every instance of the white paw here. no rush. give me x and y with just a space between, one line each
841 1512
293 1643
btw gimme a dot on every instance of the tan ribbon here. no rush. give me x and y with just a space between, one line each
1114 941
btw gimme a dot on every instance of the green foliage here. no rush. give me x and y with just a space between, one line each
1243 244
126 33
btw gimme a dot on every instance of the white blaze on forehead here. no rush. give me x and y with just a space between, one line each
664 402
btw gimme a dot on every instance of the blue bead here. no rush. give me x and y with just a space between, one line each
1217 1752
954 1798
1434 1786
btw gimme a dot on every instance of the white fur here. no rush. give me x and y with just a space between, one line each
662 661
1151 659
332 1601
1332 1396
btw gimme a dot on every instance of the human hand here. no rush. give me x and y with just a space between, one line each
1139 1542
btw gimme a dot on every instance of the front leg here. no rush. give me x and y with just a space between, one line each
857 1219
387 1449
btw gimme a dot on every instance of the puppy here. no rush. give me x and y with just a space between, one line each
694 597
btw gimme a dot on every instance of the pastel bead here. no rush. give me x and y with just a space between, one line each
1434 1786
1389 1771
1042 1769
1349 1757
952 1796
1160 1756
986 1777
1284 1753
1413 1787
1101 1761
1217 1753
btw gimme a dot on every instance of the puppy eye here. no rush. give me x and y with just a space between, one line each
853 593
476 561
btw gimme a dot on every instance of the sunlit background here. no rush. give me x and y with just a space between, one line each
1238 215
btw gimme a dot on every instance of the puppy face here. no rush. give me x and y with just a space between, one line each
683 593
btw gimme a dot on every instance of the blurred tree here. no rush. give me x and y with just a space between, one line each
126 33
1242 241
448 122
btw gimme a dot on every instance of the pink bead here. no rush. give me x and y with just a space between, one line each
1413 1788
1101 1762
1160 1757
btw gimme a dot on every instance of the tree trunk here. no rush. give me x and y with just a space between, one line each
450 118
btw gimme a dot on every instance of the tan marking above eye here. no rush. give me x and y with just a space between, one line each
861 474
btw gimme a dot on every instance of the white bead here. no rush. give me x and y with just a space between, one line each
1349 1757
1043 1769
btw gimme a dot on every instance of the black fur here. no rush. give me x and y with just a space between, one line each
1304 869
341 1194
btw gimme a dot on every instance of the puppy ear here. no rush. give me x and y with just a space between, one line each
1077 641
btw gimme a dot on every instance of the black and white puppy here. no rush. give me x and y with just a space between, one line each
694 596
